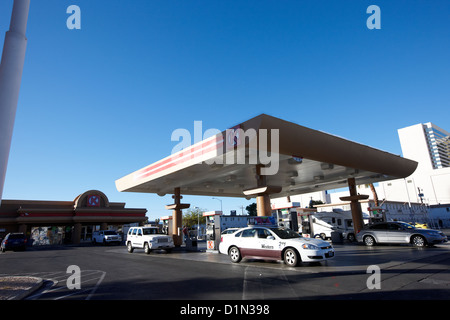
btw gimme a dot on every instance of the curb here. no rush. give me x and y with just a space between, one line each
18 287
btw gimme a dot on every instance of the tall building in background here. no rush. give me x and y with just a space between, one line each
426 143
429 145
438 145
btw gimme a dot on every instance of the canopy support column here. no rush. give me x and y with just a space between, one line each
177 216
263 205
262 193
355 205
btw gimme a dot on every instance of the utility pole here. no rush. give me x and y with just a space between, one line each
11 69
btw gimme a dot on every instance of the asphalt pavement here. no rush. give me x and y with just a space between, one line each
16 287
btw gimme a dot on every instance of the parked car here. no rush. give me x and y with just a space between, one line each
274 244
399 232
14 241
106 237
229 231
419 225
149 239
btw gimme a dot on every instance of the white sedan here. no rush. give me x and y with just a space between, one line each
274 244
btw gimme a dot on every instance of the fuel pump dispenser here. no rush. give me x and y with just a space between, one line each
291 215
286 215
212 229
167 224
216 223
376 214
305 223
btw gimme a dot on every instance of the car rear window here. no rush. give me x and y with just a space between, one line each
16 236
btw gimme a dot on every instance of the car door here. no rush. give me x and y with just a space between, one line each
133 237
397 234
248 243
267 245
139 238
379 231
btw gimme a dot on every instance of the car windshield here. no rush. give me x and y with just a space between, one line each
150 231
110 233
285 233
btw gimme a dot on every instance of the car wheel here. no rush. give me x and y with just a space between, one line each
291 257
418 241
147 248
235 255
369 241
129 247
351 237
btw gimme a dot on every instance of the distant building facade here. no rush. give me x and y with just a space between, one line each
430 183
63 222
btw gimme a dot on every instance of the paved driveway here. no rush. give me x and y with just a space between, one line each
112 273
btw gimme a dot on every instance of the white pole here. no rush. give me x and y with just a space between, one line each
11 68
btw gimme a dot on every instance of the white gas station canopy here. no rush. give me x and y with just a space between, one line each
308 160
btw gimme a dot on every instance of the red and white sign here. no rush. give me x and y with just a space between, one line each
93 201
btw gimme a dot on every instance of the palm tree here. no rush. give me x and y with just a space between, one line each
375 196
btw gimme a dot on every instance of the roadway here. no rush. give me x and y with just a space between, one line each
111 273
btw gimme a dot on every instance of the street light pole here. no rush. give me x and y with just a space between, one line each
11 68
221 210
198 222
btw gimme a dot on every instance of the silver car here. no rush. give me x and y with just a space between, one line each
399 232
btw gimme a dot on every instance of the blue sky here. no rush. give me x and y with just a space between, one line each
101 102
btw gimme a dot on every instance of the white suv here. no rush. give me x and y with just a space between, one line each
148 238
105 237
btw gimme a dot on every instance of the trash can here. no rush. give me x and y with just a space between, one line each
194 242
191 244
336 237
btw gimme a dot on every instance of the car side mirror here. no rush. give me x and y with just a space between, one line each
270 238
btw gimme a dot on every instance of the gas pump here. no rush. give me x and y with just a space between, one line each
286 215
376 214
305 222
212 229
167 224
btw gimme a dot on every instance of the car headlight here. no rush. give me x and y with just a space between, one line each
309 246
